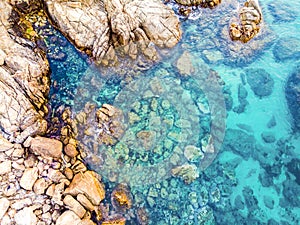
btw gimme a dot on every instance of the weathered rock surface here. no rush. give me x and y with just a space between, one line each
25 216
4 204
250 17
46 147
68 217
24 83
287 48
100 27
88 185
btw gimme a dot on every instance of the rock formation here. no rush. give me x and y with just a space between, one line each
202 3
101 27
250 17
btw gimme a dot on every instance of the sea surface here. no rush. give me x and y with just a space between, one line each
250 111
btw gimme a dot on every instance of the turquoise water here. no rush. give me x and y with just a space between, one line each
254 178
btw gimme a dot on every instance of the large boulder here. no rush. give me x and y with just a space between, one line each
99 28
24 83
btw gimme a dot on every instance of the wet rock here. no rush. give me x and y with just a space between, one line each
272 122
287 48
4 205
292 95
268 137
119 221
74 205
103 27
25 216
87 184
5 167
28 178
187 172
121 197
67 218
250 17
260 81
202 3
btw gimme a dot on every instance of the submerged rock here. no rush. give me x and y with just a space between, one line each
260 81
187 172
283 11
292 94
202 3
287 48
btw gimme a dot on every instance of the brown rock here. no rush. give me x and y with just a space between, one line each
87 184
55 175
68 173
70 150
86 222
74 205
67 218
85 202
46 147
29 177
120 221
40 186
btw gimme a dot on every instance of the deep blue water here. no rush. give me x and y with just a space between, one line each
254 178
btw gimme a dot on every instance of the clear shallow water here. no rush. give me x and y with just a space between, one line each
250 181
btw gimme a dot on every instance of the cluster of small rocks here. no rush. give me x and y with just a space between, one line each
250 17
202 3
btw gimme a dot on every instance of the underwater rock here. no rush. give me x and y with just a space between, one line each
239 142
117 221
202 3
121 198
272 122
187 172
291 194
268 137
192 153
282 11
101 27
184 64
260 81
287 48
142 216
292 95
294 168
110 121
250 17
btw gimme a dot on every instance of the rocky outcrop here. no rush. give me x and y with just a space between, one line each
24 83
247 27
101 27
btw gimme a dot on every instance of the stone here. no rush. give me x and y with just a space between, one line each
24 83
70 150
192 153
260 81
184 64
250 17
201 3
272 122
25 216
5 167
74 205
268 137
6 220
19 204
55 175
28 178
120 221
85 202
129 26
5 145
121 197
40 186
4 205
282 11
46 147
188 172
67 218
86 222
87 184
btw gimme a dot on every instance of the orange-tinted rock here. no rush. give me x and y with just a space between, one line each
121 197
120 221
87 184
46 147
